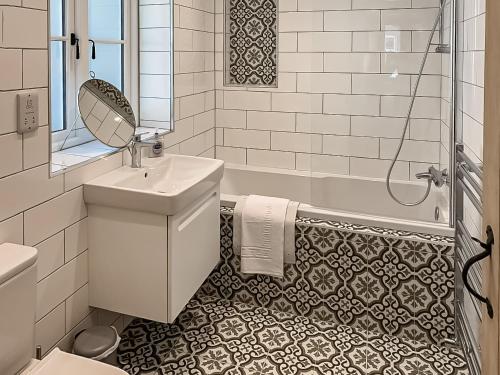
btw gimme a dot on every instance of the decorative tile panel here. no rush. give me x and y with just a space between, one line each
376 280
251 42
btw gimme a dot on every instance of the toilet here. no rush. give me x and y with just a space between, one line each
17 323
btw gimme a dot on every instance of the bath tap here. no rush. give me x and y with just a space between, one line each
135 150
438 177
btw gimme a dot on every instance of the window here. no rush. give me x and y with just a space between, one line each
100 44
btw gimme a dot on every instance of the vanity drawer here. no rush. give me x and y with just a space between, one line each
193 249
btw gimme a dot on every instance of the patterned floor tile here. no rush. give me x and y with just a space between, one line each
214 336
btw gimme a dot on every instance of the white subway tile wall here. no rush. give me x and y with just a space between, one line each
49 213
194 79
346 73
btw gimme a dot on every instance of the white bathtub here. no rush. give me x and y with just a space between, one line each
355 200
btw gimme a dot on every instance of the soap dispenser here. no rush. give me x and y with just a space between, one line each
157 148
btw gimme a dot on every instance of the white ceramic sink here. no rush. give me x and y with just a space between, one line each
163 185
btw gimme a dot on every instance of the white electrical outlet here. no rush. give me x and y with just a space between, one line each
27 112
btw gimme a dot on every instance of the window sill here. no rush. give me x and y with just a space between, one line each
83 154
77 156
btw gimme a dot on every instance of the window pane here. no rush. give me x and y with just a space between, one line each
108 63
56 17
57 102
105 19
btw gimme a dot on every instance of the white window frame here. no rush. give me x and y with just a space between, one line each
77 71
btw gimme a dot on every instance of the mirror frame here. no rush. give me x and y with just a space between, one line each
134 97
117 93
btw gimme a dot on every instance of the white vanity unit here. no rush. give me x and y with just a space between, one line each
153 235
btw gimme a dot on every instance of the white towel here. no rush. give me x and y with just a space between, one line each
291 214
263 235
238 211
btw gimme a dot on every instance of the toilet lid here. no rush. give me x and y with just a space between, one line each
62 363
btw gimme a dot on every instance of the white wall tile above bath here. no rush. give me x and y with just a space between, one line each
323 124
232 155
258 101
381 84
381 41
287 42
276 121
247 138
385 127
354 20
424 107
421 151
297 102
380 4
274 159
335 83
323 163
408 19
351 146
352 62
300 62
296 142
231 118
324 42
301 21
368 105
409 63
377 168
307 5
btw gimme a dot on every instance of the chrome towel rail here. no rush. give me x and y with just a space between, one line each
468 245
474 191
472 197
462 157
464 173
466 249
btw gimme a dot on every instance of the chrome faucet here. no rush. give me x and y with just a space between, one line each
438 177
136 150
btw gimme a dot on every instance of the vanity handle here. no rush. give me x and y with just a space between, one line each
488 248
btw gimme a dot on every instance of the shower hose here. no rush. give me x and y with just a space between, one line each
407 122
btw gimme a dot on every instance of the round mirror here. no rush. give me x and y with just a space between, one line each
106 113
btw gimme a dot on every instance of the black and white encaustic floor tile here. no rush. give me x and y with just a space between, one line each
217 336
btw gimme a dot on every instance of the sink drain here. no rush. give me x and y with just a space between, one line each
436 213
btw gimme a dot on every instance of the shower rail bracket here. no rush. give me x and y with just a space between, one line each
488 249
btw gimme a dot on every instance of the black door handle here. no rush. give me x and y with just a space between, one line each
488 249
